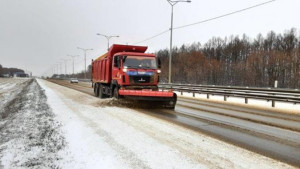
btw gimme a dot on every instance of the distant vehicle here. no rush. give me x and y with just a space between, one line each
127 71
21 74
74 81
4 75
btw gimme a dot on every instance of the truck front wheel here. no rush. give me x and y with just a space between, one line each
116 93
172 102
100 89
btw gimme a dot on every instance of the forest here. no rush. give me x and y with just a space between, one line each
237 61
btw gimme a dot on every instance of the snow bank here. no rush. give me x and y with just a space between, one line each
29 134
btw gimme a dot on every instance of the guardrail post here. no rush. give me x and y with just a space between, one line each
193 94
246 100
273 103
275 83
181 93
225 98
207 96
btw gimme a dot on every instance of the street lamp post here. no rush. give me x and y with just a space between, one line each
56 69
172 3
107 37
84 59
65 60
73 57
59 68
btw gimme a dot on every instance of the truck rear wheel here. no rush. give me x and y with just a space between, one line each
100 89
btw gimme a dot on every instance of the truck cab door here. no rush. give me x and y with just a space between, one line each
116 68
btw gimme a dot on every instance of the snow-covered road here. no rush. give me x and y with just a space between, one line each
95 134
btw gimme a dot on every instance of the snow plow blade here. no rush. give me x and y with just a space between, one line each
146 93
165 99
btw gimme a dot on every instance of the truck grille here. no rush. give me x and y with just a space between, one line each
141 79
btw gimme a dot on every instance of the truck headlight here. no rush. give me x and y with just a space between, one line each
158 71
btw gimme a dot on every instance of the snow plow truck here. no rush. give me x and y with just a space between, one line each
128 72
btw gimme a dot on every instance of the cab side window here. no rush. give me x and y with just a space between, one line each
117 62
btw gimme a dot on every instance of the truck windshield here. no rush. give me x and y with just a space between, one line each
140 62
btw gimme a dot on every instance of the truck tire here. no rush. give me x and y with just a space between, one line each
116 93
96 90
172 103
100 89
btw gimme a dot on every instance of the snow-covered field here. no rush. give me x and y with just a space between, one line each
9 83
51 126
9 87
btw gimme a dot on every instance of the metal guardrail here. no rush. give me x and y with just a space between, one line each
269 94
80 80
84 80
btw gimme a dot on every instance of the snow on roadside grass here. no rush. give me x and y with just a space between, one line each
129 138
29 134
255 103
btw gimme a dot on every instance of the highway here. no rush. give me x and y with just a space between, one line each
273 134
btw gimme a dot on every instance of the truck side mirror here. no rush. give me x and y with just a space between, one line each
123 58
158 63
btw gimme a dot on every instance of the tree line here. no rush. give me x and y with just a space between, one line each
237 61
234 61
9 71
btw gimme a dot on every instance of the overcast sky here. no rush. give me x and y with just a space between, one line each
37 34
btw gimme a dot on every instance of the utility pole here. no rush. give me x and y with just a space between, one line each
108 38
73 58
172 3
84 50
